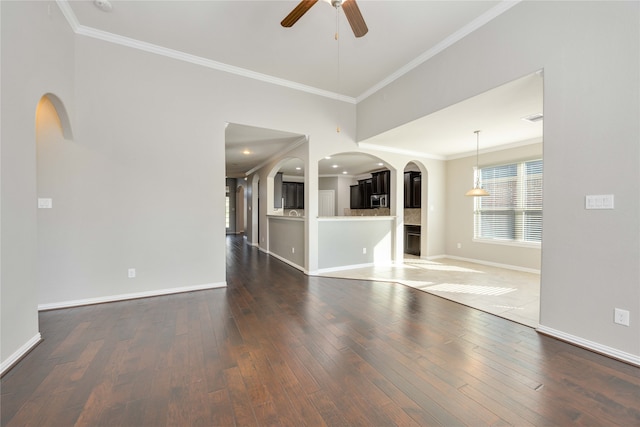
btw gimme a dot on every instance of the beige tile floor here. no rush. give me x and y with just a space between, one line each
510 294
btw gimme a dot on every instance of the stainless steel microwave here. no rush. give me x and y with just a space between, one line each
379 201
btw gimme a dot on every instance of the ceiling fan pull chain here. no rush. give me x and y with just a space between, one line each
337 37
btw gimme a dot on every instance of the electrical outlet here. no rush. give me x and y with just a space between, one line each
364 251
459 245
45 203
131 273
293 250
621 317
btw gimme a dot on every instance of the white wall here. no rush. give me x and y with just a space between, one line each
147 159
349 241
37 58
590 55
142 182
342 192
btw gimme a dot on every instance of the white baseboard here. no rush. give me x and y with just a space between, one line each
123 297
286 261
20 353
489 263
590 345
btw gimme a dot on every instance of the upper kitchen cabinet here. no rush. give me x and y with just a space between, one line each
380 182
361 194
288 186
293 194
412 189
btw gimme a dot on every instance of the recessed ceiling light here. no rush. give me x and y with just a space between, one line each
328 157
380 164
246 152
334 166
298 168
103 5
344 172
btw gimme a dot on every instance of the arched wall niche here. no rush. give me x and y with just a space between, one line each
51 107
414 215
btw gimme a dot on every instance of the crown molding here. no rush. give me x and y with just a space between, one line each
198 60
67 12
186 57
478 22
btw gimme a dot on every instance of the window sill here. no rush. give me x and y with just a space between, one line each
530 245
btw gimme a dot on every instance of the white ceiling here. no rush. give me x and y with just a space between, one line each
246 37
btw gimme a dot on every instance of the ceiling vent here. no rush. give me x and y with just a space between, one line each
534 118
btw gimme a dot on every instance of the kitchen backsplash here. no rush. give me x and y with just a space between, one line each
367 212
412 216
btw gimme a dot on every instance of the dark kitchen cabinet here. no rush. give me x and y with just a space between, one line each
380 182
416 190
300 195
412 239
412 189
361 194
366 191
355 197
293 194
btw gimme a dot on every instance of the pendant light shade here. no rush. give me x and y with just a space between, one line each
477 190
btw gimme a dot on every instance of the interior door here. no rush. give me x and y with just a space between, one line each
326 203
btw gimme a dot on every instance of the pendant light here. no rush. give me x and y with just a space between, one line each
477 190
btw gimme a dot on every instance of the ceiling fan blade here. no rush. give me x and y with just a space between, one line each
352 12
297 12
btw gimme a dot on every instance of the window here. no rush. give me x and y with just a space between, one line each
513 209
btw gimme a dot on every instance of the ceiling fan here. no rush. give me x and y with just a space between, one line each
351 11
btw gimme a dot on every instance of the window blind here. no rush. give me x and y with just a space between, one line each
513 209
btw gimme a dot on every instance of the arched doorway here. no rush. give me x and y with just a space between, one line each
415 209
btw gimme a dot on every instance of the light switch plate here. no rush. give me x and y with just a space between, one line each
599 201
621 317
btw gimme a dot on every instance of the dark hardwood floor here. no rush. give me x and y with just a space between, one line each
279 348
